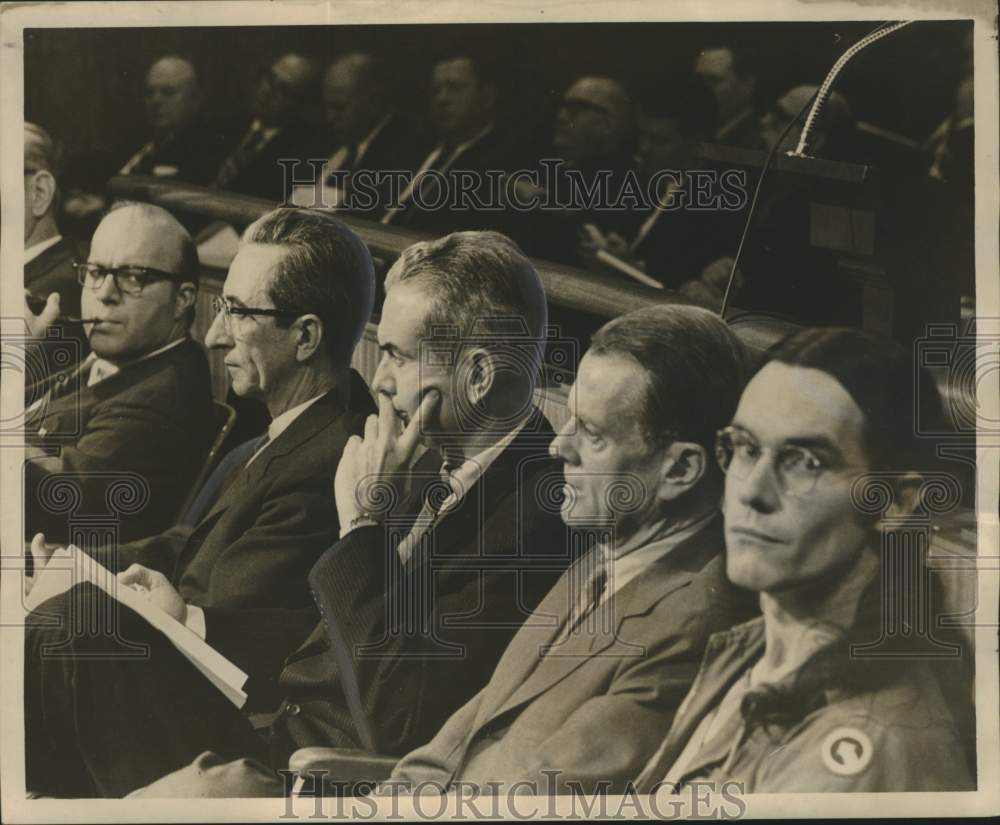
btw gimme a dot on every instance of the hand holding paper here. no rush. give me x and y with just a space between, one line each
159 590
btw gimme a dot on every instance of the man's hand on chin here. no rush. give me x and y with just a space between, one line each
158 590
384 457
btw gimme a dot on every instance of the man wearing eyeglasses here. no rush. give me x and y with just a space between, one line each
294 305
140 403
790 702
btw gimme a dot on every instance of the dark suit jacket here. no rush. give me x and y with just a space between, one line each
368 676
152 419
255 544
192 153
263 176
52 271
591 708
458 212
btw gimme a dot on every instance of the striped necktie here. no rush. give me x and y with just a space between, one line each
240 159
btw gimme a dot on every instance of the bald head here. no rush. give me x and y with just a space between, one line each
354 96
173 94
284 88
134 323
595 121
140 234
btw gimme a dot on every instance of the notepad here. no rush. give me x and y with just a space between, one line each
70 566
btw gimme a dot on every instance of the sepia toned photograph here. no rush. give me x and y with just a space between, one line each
510 412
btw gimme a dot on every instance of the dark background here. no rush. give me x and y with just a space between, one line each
84 85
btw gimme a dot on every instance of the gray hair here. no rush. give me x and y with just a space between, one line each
482 286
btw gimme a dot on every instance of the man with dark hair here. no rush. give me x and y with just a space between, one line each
140 403
470 552
279 128
294 304
829 691
179 143
730 74
606 658
450 183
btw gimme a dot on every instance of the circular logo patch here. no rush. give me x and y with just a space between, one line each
846 751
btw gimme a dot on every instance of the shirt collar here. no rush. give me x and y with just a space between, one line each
626 566
478 136
374 133
37 249
282 422
463 477
101 368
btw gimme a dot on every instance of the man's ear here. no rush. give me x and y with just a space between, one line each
683 465
310 336
187 294
481 373
41 194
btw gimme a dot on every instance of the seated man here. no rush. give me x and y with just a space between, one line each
279 128
683 239
585 696
293 307
418 601
180 143
140 404
48 256
790 702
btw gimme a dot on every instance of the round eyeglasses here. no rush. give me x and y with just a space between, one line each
796 468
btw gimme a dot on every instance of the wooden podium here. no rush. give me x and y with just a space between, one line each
842 221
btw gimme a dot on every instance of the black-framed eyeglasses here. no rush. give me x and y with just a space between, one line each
229 309
797 469
130 280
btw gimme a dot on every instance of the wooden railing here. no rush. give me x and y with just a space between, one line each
571 291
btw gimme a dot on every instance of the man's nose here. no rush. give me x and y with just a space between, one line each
562 445
108 292
217 337
759 489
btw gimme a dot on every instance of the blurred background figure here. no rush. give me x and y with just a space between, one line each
466 141
730 74
681 246
281 126
830 138
593 135
181 143
365 132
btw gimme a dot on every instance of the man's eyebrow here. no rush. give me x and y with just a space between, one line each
809 441
392 348
234 300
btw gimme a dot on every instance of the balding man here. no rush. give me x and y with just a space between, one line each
279 128
140 403
593 142
730 74
366 133
179 142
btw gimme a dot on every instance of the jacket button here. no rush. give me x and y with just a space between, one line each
293 709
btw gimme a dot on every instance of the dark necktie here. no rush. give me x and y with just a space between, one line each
590 597
223 474
240 158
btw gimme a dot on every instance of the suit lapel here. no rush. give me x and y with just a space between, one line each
536 665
